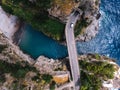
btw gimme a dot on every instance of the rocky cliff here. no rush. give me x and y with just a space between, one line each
62 9
12 54
9 23
88 25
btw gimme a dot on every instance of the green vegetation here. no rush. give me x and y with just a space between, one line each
52 86
35 14
47 78
17 86
2 47
79 28
97 2
19 71
16 70
90 82
2 77
97 56
93 72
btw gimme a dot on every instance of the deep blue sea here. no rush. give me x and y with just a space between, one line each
36 43
107 42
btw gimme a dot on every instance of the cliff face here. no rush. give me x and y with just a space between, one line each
12 53
62 9
9 24
87 26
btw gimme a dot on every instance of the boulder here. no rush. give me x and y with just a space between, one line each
61 77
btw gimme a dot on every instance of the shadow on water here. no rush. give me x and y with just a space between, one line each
107 42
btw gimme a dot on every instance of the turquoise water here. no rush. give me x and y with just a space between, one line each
36 43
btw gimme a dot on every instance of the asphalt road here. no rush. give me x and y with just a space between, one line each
69 32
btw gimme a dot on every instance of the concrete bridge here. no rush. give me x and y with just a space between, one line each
70 38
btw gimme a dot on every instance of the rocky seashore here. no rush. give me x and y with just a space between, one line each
90 17
10 24
107 83
45 66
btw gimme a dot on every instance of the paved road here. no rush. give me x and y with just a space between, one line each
69 31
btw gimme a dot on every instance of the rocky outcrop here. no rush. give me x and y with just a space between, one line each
108 84
9 24
89 32
61 77
45 65
91 17
115 82
12 53
61 9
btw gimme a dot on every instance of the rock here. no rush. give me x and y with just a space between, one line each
62 9
45 65
61 77
89 32
9 24
110 83
115 82
91 15
12 53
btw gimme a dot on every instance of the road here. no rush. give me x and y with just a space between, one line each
69 32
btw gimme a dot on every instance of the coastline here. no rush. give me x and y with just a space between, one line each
89 20
18 34
43 64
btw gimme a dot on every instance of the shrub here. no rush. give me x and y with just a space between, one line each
2 78
99 71
17 70
2 47
47 78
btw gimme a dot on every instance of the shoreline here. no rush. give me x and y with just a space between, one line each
16 38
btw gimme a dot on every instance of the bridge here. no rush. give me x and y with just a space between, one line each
69 33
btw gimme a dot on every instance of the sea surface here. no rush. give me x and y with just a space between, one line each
35 43
107 42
